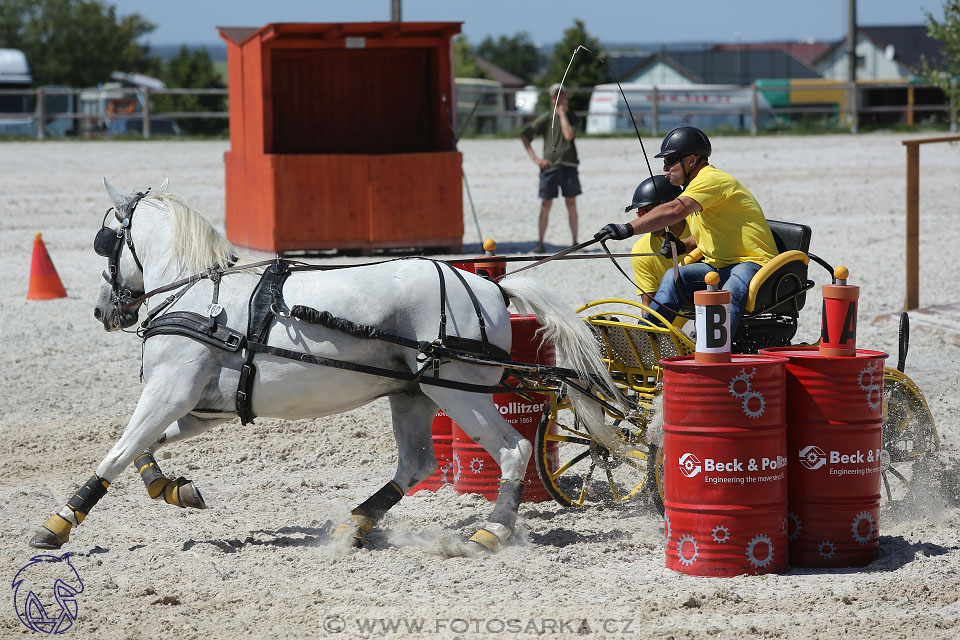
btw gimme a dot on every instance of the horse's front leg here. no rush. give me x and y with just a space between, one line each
179 492
413 431
158 407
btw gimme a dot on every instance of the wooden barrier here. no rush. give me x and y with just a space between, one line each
912 300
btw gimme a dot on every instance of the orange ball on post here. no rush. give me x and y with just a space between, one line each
838 324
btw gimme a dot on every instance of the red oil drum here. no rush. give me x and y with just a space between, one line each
474 470
725 481
835 418
443 452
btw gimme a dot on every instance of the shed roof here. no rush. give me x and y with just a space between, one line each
332 30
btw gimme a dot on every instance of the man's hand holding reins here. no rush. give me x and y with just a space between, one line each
614 231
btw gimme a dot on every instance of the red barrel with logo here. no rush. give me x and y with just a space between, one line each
725 481
834 424
443 452
474 470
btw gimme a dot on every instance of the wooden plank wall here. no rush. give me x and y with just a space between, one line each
352 101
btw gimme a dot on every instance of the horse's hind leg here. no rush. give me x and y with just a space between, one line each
179 492
412 429
157 407
479 418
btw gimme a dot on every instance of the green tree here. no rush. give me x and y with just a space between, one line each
192 70
77 43
586 71
464 59
516 54
944 71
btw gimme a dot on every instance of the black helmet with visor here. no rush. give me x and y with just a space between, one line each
685 141
653 191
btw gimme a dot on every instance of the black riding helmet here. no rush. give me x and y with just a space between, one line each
684 141
653 191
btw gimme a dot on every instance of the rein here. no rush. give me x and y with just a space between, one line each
306 266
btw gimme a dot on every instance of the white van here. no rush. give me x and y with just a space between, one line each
16 110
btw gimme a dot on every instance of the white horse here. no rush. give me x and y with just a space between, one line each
191 385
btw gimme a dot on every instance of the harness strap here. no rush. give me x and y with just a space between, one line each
443 303
476 306
259 347
266 297
193 325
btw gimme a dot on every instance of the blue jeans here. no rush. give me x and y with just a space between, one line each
735 279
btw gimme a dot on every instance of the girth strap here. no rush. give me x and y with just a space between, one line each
265 299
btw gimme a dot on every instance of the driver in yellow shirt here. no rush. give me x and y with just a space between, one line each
725 219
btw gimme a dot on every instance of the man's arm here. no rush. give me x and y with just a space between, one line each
665 215
543 163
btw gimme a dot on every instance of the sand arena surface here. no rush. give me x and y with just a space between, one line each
259 563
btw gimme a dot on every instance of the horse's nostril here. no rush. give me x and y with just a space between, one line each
97 314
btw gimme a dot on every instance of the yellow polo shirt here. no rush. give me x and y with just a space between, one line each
731 228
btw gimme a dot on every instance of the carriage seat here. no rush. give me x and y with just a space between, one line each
780 286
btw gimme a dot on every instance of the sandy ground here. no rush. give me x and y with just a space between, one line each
259 562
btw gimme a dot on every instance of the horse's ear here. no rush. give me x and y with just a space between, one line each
115 196
163 185
121 202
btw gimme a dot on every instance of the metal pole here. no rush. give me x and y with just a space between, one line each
754 109
655 110
145 92
852 62
912 300
41 113
953 106
395 11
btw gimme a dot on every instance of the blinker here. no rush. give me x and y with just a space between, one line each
106 242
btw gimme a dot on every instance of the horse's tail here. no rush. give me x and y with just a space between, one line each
576 349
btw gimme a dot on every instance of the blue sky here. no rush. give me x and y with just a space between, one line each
611 21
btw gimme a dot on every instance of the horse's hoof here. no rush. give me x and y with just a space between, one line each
349 531
190 496
486 540
356 529
46 539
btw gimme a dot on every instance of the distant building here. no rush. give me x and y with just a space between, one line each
887 54
883 53
718 66
806 52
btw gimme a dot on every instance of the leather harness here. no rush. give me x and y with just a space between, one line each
266 304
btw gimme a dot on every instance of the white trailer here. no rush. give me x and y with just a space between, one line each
706 106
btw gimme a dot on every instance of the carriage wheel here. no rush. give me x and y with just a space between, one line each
909 434
574 468
658 476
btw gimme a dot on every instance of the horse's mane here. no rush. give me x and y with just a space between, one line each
194 243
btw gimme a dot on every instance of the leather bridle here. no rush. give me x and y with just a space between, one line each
109 243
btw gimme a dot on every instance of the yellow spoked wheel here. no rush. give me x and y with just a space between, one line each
575 468
909 434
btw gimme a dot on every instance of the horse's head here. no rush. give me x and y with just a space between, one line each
123 278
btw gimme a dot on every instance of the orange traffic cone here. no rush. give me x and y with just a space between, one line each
45 284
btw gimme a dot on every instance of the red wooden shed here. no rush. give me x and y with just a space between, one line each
341 138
